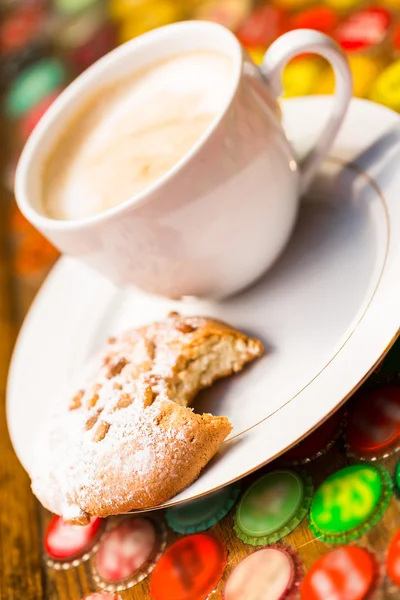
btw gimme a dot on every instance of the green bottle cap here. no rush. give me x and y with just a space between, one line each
350 502
397 481
203 513
33 85
272 507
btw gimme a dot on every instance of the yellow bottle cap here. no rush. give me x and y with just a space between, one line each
386 89
157 14
301 76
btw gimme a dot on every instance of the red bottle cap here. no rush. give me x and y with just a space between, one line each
364 30
373 428
321 18
262 27
21 28
393 559
190 569
348 572
273 572
128 553
317 443
64 542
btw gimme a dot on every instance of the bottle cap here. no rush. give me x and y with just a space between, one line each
350 502
317 443
365 70
22 27
155 13
67 545
364 30
128 552
272 507
393 559
273 572
261 27
33 85
373 424
386 89
301 75
203 513
396 486
191 568
15 64
321 18
349 572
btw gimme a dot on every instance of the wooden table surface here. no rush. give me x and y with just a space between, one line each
23 574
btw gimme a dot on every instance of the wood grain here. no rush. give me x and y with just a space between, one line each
21 570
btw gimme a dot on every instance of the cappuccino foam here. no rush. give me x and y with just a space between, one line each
133 132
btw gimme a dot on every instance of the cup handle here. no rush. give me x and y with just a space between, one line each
285 48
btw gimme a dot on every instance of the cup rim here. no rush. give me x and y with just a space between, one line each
121 53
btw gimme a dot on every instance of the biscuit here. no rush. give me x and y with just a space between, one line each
126 439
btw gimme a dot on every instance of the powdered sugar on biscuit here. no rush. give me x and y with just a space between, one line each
120 435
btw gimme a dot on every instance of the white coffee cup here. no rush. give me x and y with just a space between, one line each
215 222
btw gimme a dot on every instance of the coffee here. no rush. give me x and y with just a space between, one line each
130 134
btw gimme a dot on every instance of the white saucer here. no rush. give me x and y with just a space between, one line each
328 310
